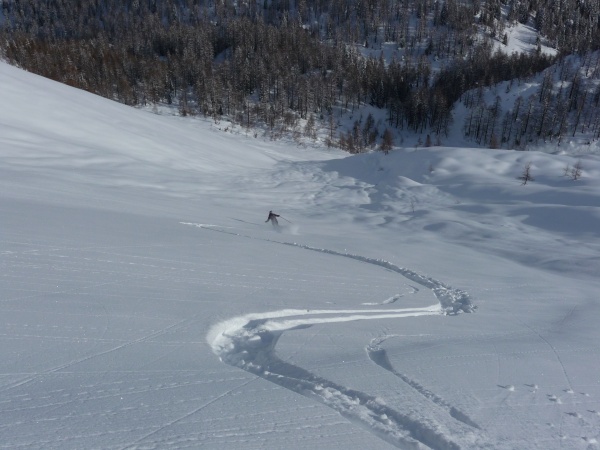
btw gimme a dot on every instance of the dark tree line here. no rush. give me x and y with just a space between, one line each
273 63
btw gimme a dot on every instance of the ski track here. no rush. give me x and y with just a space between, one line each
249 342
379 356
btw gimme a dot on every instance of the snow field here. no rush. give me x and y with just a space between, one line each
420 300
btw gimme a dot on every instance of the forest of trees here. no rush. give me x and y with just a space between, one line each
567 102
281 63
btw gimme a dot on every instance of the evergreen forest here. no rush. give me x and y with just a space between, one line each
293 67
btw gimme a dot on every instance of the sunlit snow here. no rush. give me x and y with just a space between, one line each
423 299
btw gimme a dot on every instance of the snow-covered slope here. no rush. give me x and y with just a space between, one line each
424 299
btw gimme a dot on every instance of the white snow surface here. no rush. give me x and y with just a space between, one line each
423 299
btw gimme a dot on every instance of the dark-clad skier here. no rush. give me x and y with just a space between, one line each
273 218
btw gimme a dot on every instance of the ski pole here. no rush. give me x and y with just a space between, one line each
285 219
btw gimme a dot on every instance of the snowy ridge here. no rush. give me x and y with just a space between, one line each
249 342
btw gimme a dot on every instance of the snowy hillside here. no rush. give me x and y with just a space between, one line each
423 299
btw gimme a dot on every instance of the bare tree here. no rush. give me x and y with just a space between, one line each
310 129
526 175
573 172
387 141
576 171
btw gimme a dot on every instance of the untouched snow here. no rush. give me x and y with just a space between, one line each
424 299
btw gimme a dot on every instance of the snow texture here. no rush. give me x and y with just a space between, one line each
423 299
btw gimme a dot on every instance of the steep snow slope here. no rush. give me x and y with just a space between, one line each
421 300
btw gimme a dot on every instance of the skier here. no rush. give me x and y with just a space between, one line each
273 218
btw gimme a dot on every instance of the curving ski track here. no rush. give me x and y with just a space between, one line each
379 356
249 342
